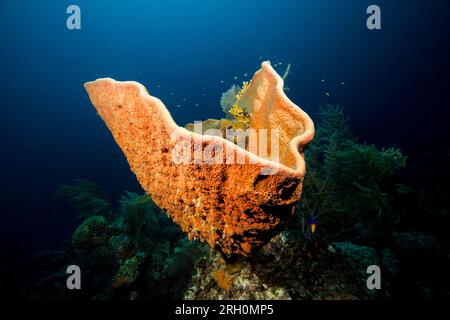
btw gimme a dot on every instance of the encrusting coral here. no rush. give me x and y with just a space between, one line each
235 207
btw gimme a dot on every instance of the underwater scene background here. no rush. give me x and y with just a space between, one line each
377 181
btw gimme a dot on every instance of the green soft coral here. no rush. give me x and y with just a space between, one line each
346 181
88 198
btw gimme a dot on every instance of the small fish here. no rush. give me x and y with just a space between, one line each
158 86
196 104
221 81
171 93
275 65
312 223
280 63
203 94
235 78
260 58
323 80
245 74
286 89
184 99
178 106
342 82
327 94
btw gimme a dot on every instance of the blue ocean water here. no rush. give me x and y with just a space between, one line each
393 83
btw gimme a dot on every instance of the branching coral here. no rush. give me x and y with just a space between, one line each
240 113
346 181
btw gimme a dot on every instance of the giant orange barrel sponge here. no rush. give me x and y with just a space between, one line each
234 198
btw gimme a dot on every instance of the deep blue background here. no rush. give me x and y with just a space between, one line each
396 89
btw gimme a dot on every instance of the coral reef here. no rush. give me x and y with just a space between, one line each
284 269
235 208
357 193
133 252
350 194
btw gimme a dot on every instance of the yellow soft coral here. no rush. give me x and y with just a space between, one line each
241 117
237 111
240 114
245 85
